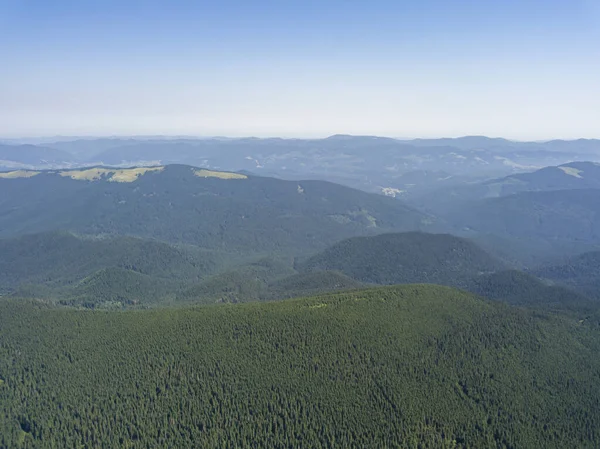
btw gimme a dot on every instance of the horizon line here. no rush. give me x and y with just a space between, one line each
67 137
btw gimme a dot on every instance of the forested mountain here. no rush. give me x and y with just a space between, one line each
32 156
523 289
573 175
101 271
418 366
224 211
312 283
562 215
248 282
443 259
261 281
61 258
371 163
403 258
108 288
117 271
412 366
580 272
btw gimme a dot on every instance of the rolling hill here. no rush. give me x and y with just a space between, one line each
32 156
411 366
308 284
561 215
573 175
260 282
369 163
247 282
404 258
62 258
211 209
523 289
107 288
442 259
99 271
581 272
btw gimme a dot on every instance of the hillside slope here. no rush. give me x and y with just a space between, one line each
61 257
69 268
561 215
415 366
523 289
573 175
580 272
206 208
402 258
23 156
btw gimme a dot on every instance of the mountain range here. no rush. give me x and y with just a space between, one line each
182 204
182 306
405 258
375 164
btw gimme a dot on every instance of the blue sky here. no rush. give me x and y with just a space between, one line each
525 69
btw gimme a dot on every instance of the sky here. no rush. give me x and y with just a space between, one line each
521 69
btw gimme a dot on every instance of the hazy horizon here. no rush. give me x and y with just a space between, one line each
524 70
58 137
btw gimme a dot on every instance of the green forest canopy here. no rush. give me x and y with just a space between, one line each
414 366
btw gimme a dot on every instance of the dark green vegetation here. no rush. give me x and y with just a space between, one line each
249 282
581 273
305 284
523 289
116 272
412 366
256 281
245 215
62 257
443 259
90 271
405 258
562 215
107 288
526 218
113 271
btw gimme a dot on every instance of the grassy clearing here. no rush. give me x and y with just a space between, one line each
19 174
96 174
315 306
218 174
572 172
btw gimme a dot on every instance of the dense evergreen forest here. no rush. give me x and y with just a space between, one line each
179 204
523 289
127 272
581 272
60 259
409 257
406 367
111 335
